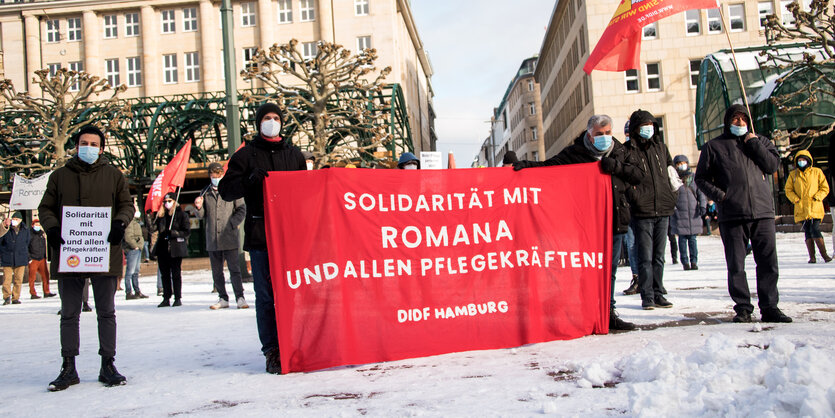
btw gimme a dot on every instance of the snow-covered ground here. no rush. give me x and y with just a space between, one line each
195 361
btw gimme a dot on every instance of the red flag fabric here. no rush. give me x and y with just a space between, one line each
172 176
378 265
619 48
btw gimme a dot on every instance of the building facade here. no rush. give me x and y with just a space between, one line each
166 47
665 84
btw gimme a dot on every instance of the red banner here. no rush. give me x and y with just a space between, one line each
378 265
170 178
619 48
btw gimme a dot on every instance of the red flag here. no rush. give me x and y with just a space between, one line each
619 48
172 176
226 164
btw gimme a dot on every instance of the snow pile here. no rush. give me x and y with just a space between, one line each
729 377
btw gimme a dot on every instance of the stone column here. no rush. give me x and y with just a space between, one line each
151 70
266 22
91 38
210 54
324 15
32 28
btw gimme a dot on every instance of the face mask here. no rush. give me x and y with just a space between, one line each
603 142
646 132
626 138
37 228
270 128
15 222
137 214
682 167
739 130
169 205
310 165
88 154
410 167
802 163
215 181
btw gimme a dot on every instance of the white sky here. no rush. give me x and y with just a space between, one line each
475 48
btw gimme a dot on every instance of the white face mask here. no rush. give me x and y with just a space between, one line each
270 128
15 222
410 167
169 205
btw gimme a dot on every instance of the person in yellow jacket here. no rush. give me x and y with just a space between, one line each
806 187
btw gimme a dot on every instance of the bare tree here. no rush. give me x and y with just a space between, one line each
333 101
34 130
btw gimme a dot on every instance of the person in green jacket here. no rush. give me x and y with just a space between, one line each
133 244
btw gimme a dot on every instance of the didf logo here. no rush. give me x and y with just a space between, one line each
73 261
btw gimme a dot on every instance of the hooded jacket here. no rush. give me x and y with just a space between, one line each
236 183
653 196
81 184
806 189
691 204
735 173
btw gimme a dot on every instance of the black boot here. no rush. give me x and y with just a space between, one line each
108 373
273 361
633 287
165 302
617 324
66 378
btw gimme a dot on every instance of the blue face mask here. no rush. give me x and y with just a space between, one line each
88 154
739 130
802 163
603 142
215 181
647 131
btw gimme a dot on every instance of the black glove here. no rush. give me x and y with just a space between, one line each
257 176
608 164
117 232
520 165
53 235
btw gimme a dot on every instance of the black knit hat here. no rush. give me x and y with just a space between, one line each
509 158
88 129
263 110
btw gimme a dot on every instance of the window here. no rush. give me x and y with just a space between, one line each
285 11
650 31
660 121
632 84
534 134
787 16
736 15
530 85
110 28
692 20
53 69
78 67
74 29
765 8
307 9
247 14
167 21
361 7
714 21
132 24
248 54
532 108
653 76
134 71
363 43
111 71
190 19
694 72
53 30
309 50
192 67
169 68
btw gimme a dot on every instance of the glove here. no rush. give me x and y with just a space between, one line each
257 176
53 235
608 164
117 232
520 165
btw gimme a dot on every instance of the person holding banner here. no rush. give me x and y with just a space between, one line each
37 261
172 245
734 170
14 254
4 226
244 178
595 144
87 182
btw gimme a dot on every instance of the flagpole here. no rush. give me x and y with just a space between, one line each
177 203
736 65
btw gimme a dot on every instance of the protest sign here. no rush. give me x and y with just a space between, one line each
430 160
377 265
27 193
85 249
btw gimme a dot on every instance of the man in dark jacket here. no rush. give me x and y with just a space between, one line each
595 144
37 261
652 202
222 221
14 256
244 178
87 179
734 170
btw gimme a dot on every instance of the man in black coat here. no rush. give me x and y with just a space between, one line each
734 170
248 167
653 201
595 144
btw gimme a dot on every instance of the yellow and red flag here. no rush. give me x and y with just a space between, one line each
619 48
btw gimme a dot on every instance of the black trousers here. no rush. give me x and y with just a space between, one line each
216 259
169 270
70 290
762 234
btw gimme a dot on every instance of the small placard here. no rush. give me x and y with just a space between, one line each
85 249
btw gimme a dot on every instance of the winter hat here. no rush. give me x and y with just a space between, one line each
681 158
626 128
509 158
17 215
307 155
171 196
407 157
88 129
263 110
215 167
638 118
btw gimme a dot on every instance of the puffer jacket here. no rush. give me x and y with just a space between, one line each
133 236
735 173
37 245
14 247
653 196
806 189
691 207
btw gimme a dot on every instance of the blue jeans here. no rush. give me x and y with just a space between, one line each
132 258
617 244
685 241
264 301
650 240
630 249
145 253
